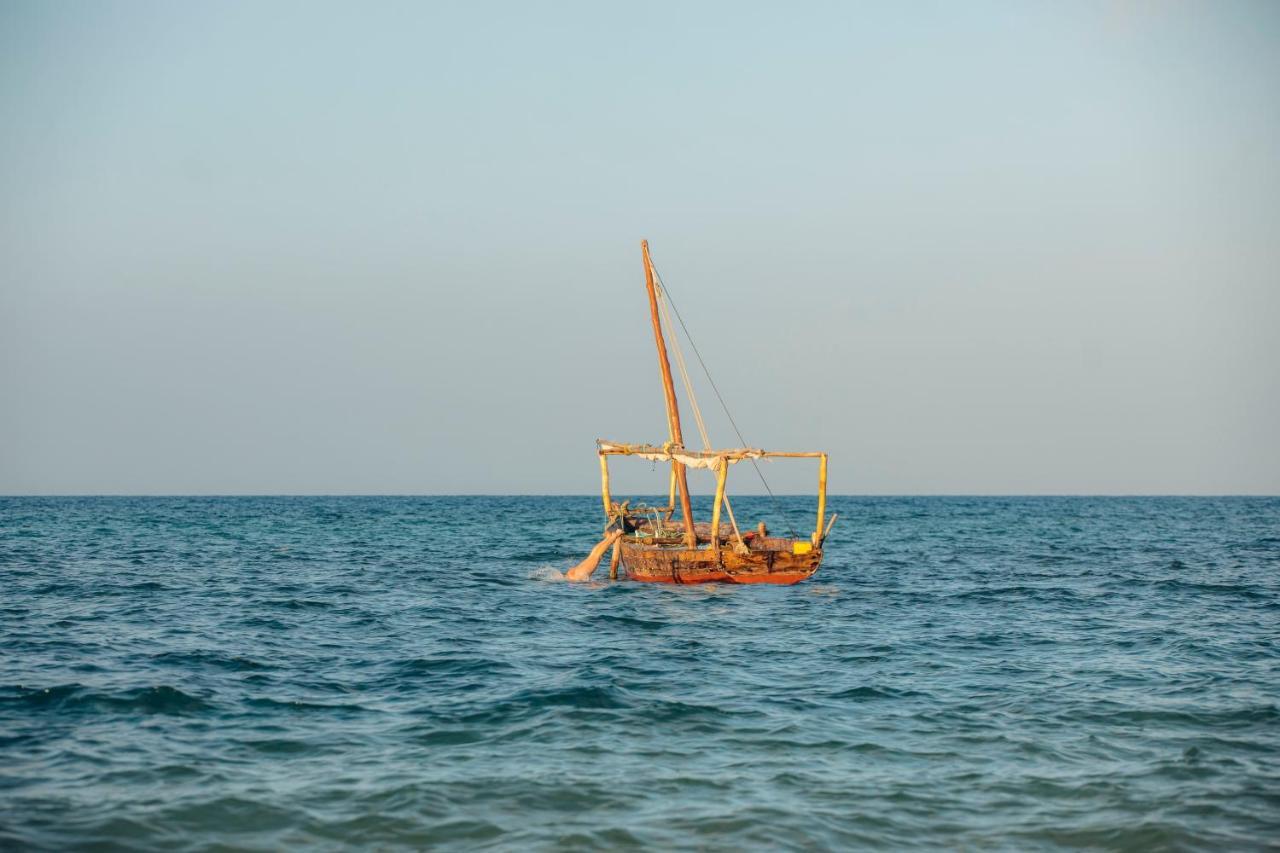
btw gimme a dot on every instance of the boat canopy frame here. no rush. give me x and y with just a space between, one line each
714 460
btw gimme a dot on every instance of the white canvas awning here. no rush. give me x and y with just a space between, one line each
690 458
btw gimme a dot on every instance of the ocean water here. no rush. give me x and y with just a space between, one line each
968 673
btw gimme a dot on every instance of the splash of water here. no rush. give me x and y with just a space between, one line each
547 574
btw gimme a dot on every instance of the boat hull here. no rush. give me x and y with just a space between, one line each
658 564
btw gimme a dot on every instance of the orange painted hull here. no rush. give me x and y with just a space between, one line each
657 564
781 578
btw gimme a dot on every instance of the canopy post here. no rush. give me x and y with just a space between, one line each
733 522
614 560
671 495
673 408
822 498
604 484
722 471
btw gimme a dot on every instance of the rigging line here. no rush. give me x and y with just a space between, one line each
684 372
777 505
693 398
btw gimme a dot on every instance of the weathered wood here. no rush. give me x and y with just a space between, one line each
722 471
651 551
614 559
604 485
822 497
706 458
808 454
681 565
671 496
733 522
669 389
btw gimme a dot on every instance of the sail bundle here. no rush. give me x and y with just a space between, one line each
709 459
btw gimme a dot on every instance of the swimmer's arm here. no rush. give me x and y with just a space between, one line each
584 570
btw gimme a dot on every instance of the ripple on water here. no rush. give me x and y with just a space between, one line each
267 673
161 699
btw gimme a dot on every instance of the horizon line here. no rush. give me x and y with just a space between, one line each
596 496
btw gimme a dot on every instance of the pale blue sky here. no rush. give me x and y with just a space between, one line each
394 248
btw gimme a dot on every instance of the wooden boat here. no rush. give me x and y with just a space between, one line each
655 549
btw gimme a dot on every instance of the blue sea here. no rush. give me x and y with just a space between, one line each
965 673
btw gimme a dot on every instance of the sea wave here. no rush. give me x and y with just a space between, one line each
401 673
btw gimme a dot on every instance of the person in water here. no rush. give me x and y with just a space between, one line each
583 570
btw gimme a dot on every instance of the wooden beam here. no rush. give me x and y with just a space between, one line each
722 471
671 497
733 522
733 455
822 497
604 484
614 560
778 454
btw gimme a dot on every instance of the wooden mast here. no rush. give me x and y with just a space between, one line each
673 409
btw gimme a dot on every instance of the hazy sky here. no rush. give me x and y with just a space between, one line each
1013 247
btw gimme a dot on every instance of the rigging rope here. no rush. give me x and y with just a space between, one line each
684 370
693 398
663 302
